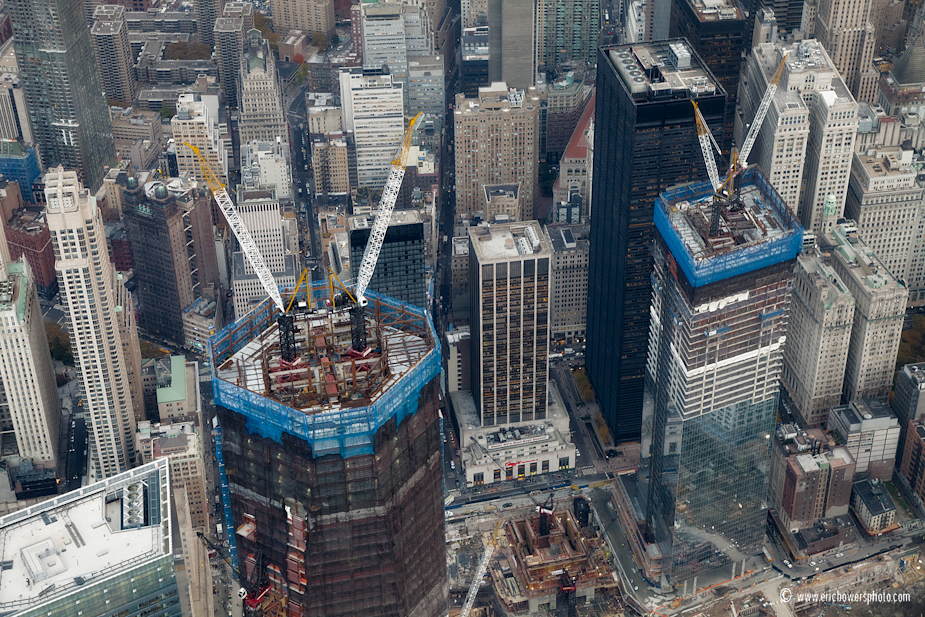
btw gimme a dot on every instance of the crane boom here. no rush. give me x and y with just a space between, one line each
248 246
704 135
759 116
383 215
479 573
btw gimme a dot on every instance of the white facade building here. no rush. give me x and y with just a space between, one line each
196 123
99 312
259 210
806 141
879 309
373 108
26 372
869 430
266 163
818 335
885 201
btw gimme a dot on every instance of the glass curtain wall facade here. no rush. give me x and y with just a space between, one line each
645 140
399 271
715 354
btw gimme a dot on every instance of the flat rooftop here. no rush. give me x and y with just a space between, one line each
662 69
875 497
87 535
399 217
509 241
862 263
824 277
716 10
866 413
751 226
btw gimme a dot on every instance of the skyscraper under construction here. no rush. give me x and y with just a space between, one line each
331 463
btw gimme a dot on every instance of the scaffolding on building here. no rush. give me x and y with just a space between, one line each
330 463
727 256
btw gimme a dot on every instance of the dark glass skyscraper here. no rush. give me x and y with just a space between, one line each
57 69
399 270
645 140
719 35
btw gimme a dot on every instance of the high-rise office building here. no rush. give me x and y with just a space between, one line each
348 516
266 163
57 70
567 31
399 270
815 486
310 16
811 89
114 55
718 32
720 305
569 283
474 60
787 14
869 430
181 444
497 142
26 373
330 164
259 97
645 140
392 34
27 235
15 123
512 39
105 547
99 311
196 123
844 29
171 235
372 104
780 146
260 212
818 335
426 88
902 91
566 99
509 268
879 309
884 199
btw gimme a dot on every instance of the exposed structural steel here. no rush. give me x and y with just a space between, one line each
480 572
248 247
333 465
726 189
383 215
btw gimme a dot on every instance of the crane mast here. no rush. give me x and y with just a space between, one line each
480 573
248 246
724 190
376 238
749 142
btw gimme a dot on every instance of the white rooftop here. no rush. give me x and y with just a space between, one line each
502 242
82 537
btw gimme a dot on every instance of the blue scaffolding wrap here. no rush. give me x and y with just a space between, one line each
706 270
